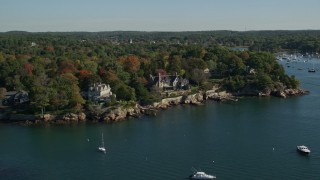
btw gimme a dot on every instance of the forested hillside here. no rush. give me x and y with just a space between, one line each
55 68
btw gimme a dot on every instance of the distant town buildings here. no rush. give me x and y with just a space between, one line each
100 92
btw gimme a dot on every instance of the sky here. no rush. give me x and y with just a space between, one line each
158 15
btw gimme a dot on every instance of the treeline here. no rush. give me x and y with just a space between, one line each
303 41
55 68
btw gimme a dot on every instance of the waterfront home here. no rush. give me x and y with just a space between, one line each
169 82
100 92
15 98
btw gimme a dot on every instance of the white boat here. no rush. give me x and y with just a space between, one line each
303 149
311 70
201 175
102 148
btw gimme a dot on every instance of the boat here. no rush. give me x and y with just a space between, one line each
201 175
102 148
311 70
303 149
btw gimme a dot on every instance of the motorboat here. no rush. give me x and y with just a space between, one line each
303 149
201 175
312 70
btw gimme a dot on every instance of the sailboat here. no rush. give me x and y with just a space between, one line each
102 148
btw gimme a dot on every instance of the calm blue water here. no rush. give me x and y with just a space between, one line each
254 138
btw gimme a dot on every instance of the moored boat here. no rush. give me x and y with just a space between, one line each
102 148
303 149
201 175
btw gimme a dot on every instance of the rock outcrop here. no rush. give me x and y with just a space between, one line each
290 92
119 113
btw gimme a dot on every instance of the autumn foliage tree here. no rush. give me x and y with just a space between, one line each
130 63
29 68
67 67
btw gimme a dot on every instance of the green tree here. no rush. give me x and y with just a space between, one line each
198 76
234 83
263 81
67 92
174 64
40 98
142 94
124 92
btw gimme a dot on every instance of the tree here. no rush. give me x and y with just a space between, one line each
29 68
89 65
14 83
3 92
236 65
67 67
174 64
263 81
124 92
195 52
198 76
40 98
130 63
142 94
234 83
66 92
86 78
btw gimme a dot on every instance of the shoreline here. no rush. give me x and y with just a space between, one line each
119 113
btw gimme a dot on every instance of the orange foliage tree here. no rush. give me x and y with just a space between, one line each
130 63
66 67
29 68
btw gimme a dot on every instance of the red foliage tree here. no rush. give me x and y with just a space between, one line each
161 72
67 67
84 72
29 68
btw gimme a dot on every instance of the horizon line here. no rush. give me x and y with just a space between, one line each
173 31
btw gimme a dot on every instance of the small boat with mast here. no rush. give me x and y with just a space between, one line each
102 147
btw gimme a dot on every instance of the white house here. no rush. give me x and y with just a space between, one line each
99 92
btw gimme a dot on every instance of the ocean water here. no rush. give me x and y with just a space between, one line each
254 138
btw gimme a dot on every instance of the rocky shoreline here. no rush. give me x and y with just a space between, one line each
116 114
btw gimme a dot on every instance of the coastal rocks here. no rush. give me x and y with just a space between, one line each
48 117
290 92
71 117
220 96
195 99
120 114
281 94
295 92
278 91
171 101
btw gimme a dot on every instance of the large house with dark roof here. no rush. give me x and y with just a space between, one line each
169 82
15 97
